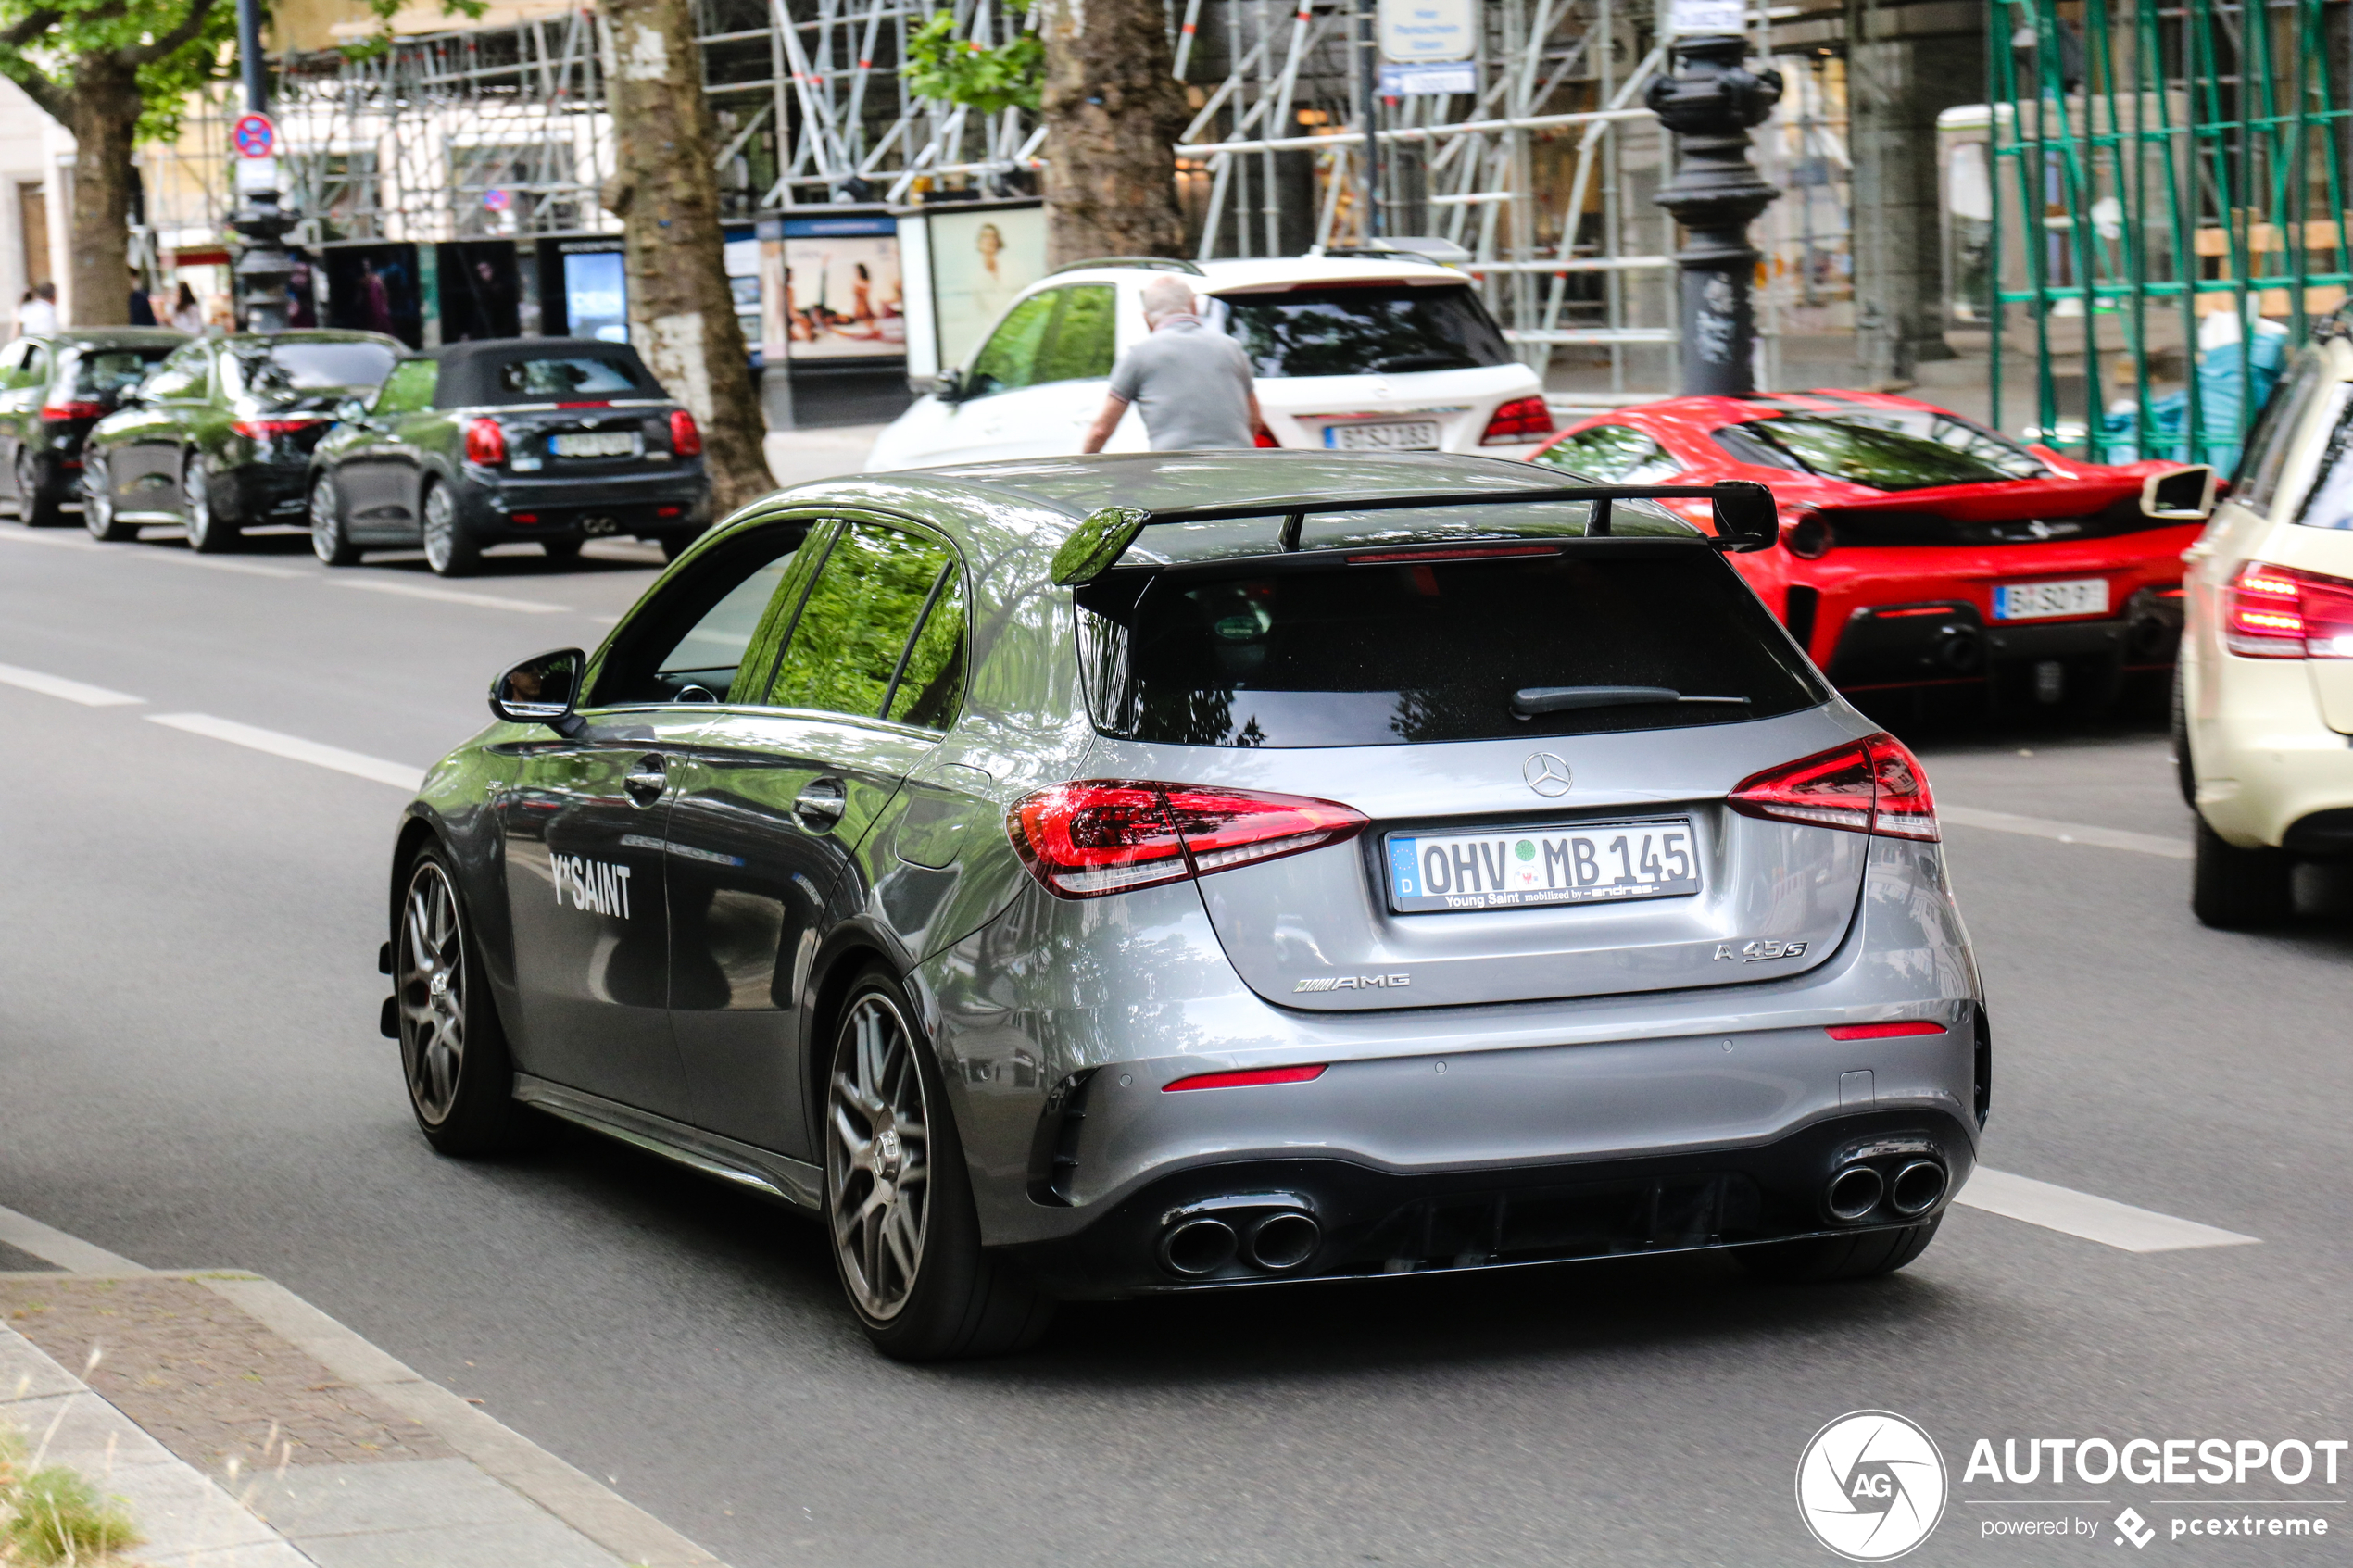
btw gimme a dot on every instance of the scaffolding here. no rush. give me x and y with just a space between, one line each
2166 210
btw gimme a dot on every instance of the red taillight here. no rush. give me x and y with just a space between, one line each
1874 786
1264 437
1244 1079
65 413
1107 836
1522 419
591 403
685 440
522 516
486 443
670 511
2279 612
1882 1031
263 430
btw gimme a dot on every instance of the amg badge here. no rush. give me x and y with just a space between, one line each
1350 982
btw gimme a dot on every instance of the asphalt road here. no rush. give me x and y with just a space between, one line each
190 1075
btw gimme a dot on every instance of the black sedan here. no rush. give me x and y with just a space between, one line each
53 389
551 441
217 439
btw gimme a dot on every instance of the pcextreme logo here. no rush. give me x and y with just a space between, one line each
1870 1486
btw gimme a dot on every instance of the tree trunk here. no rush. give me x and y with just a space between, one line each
105 108
666 193
1113 111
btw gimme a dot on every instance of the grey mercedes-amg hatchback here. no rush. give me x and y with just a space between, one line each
1117 875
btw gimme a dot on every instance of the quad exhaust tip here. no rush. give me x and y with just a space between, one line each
1200 1246
1854 1192
1266 1232
1917 1187
1283 1241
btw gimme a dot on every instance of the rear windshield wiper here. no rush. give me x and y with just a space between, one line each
1529 701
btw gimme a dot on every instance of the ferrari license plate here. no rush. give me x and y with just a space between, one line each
1591 863
2032 602
1403 435
596 444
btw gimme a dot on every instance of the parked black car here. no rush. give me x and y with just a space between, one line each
218 438
52 390
552 441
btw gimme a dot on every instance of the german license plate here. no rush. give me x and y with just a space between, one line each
2031 601
1587 864
1405 435
596 444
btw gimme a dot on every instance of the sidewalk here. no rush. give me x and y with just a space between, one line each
245 1428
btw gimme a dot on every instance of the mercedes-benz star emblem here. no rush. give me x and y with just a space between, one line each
1546 775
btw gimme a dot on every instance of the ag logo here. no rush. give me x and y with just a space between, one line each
1870 1486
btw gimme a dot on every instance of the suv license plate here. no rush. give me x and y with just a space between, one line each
2030 601
1411 435
1591 863
596 444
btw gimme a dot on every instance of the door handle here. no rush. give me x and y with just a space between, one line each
821 803
646 784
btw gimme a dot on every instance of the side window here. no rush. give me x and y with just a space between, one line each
409 389
1617 453
1085 333
1008 361
36 367
2329 504
881 632
2275 431
688 641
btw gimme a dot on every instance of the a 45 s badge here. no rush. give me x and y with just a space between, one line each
1758 951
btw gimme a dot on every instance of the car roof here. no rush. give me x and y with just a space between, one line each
504 347
1272 271
1039 501
318 334
115 337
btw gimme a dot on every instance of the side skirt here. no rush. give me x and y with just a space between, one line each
776 1175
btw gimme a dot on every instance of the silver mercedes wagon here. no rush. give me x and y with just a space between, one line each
1106 876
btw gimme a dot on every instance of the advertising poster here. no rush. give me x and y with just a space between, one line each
843 297
979 260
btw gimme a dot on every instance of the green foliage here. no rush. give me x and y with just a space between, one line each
54 1516
378 41
940 65
176 45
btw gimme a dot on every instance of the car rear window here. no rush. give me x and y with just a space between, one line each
1356 330
285 371
541 380
1392 653
97 371
1864 450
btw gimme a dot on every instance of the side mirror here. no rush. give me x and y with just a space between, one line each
1745 519
542 690
947 387
2183 495
352 411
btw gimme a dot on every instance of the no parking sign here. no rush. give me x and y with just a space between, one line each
254 136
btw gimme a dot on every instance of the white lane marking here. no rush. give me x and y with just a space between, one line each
2094 1219
53 1245
131 552
450 596
213 564
2065 833
57 685
295 749
56 539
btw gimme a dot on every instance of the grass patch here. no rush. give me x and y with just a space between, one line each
53 1517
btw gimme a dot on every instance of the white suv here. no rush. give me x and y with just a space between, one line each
1387 355
2263 711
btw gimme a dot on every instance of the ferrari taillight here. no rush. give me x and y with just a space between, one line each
1873 786
2281 612
1109 836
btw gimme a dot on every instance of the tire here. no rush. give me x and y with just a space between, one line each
1822 1259
330 538
450 550
453 1053
97 505
900 1217
2185 772
208 533
2235 889
564 552
35 507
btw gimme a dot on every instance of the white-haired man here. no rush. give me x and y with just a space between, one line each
1191 384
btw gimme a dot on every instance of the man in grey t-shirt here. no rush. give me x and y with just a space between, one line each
1191 384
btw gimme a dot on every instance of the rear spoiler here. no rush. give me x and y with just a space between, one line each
1745 519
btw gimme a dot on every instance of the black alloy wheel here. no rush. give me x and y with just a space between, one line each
453 1052
36 507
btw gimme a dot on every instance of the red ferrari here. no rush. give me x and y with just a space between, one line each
1920 548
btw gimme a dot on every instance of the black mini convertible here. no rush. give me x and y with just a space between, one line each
550 441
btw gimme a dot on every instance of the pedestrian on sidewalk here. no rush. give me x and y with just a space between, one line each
1191 383
37 317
